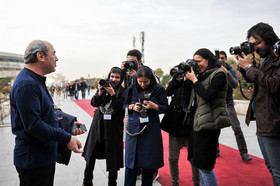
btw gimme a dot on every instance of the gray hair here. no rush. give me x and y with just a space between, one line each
30 55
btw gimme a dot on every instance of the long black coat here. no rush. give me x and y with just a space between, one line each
104 139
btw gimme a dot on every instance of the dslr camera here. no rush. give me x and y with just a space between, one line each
245 47
276 48
186 66
183 67
176 72
143 111
105 82
130 64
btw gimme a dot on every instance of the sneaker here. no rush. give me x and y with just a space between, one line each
155 176
246 157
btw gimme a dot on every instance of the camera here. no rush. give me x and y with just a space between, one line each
105 82
176 72
186 66
130 64
276 48
245 47
143 111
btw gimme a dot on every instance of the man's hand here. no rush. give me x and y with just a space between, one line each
224 69
122 65
77 131
243 61
75 145
131 72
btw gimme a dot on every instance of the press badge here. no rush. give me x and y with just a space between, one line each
107 117
144 120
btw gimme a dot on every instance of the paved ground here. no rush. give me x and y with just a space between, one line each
72 175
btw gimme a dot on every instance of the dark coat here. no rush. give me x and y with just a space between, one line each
146 150
65 122
105 136
266 79
173 121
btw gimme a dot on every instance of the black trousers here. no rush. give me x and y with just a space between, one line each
131 174
33 177
88 174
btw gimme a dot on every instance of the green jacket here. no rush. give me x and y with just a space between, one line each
211 115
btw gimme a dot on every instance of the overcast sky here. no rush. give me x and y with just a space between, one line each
92 36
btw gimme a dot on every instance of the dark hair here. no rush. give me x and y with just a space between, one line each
135 53
116 70
30 55
223 53
265 31
208 55
146 72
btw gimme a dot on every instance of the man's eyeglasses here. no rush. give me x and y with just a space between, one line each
222 58
257 43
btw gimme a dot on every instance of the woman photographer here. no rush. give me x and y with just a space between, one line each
143 147
104 140
208 114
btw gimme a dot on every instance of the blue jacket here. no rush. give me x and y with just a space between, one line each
146 150
34 122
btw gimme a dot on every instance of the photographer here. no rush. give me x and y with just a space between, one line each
179 131
104 140
235 124
264 107
208 114
143 146
133 58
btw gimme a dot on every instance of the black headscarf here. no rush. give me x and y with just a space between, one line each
212 61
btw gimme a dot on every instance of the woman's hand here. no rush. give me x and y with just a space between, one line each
136 107
110 90
150 105
191 75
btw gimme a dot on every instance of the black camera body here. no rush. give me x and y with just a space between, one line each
186 66
130 64
105 82
276 48
176 72
143 111
245 47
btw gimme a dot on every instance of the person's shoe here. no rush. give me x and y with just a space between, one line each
155 176
246 157
218 154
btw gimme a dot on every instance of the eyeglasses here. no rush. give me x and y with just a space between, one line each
257 43
222 58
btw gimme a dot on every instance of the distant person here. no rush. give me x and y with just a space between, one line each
33 118
264 107
104 140
76 87
235 124
143 145
83 87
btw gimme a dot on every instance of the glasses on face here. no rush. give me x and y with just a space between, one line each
222 58
257 43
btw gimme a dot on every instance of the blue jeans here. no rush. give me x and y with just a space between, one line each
208 178
270 147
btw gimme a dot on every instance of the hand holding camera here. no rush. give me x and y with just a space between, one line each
191 75
78 128
243 61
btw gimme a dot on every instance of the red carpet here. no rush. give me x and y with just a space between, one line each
230 169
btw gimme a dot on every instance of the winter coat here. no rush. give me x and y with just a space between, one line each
146 150
105 136
266 79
